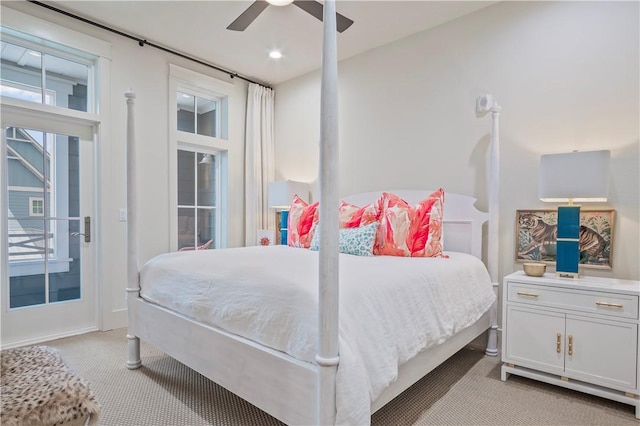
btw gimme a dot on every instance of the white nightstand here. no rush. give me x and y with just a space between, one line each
581 334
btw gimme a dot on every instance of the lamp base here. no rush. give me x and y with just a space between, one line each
568 242
284 219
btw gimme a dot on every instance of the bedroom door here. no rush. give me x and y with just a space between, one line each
48 279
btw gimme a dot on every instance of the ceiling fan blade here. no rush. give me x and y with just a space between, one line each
315 8
247 17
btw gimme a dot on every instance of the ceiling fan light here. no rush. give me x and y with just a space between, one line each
279 2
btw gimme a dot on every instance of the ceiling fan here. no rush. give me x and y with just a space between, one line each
313 8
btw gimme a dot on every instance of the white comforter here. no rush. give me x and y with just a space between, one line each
391 308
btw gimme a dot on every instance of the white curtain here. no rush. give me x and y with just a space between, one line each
259 161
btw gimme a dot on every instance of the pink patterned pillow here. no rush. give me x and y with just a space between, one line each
412 231
352 216
302 223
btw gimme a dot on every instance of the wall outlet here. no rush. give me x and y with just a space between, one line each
122 215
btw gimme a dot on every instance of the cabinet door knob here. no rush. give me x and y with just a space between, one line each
558 342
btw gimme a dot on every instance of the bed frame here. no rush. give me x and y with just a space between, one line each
294 391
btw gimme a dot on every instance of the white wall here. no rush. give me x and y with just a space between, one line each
566 74
145 70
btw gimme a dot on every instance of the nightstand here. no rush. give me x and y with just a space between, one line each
580 334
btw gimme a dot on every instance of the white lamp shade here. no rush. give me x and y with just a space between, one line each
281 193
574 176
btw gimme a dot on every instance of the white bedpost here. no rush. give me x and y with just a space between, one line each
133 284
494 221
327 357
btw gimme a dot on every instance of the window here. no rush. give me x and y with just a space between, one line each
196 200
42 75
36 206
199 167
198 115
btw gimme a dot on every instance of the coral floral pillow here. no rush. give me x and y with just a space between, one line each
414 231
351 216
303 219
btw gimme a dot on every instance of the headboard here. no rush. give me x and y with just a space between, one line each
462 222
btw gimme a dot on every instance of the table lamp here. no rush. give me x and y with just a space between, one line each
281 195
572 177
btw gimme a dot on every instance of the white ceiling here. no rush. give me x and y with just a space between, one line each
198 29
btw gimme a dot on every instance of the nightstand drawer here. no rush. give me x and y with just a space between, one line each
610 304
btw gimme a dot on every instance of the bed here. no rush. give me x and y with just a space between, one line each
247 317
292 356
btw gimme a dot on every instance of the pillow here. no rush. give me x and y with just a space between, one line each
351 216
414 231
357 241
302 222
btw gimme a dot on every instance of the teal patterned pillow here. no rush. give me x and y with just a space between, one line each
357 241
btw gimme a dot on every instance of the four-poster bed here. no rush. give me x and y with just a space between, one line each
308 389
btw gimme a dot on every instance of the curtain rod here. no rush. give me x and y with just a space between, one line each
142 42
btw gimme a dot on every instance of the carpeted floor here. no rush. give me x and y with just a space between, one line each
466 390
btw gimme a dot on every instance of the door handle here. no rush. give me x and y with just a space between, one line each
87 230
570 345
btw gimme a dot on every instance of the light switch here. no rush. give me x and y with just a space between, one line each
123 215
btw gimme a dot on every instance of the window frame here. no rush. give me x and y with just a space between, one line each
218 115
32 202
93 124
46 47
196 206
182 80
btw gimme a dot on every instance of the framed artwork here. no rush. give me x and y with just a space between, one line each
266 237
536 232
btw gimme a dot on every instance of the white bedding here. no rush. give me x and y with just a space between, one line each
391 308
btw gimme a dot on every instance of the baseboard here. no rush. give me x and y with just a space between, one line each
48 338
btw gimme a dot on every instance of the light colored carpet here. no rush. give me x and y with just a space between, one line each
465 390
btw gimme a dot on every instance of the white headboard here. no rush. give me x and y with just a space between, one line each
462 222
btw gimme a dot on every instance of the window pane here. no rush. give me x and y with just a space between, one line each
186 117
21 71
186 178
206 227
70 147
186 228
207 117
65 272
25 174
66 83
206 180
27 290
26 239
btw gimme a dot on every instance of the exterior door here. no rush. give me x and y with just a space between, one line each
48 279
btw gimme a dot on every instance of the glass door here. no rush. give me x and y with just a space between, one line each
48 282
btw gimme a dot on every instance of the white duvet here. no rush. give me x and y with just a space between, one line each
391 308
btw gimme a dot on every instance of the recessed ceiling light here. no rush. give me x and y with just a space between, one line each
275 54
279 2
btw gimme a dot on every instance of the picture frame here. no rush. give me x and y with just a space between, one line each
266 237
536 231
